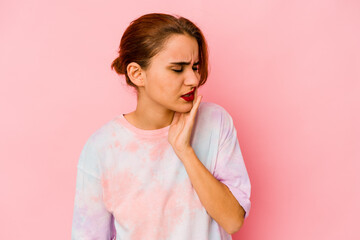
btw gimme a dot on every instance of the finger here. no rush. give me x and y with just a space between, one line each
195 94
196 104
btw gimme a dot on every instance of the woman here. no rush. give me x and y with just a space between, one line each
171 169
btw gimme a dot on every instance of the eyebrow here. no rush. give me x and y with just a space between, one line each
184 63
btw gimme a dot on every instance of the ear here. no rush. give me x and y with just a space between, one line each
135 74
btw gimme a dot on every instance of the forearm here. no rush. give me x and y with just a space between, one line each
215 196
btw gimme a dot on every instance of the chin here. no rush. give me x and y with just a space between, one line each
182 107
185 107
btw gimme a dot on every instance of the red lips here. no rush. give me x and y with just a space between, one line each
190 92
190 97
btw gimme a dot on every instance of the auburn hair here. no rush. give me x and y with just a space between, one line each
146 36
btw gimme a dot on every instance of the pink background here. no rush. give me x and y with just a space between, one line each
287 71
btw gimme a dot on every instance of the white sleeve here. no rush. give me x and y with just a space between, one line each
91 220
230 167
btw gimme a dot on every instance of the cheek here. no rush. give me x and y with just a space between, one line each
165 84
170 84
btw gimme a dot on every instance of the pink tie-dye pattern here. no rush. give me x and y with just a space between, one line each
132 147
148 212
146 187
158 150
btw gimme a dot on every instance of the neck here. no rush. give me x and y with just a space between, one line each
150 116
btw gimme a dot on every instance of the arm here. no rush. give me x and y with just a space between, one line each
226 194
90 218
215 196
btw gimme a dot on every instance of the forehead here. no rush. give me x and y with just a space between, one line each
179 47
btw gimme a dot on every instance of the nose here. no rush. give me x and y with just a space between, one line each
192 78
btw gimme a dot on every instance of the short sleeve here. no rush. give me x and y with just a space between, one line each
91 220
230 168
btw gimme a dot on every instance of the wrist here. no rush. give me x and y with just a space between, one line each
185 154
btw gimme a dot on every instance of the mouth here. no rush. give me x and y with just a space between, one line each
189 96
189 93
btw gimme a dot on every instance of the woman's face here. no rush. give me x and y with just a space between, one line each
166 79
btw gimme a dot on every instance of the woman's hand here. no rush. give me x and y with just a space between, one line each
181 128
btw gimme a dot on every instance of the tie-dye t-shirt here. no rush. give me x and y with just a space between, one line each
131 185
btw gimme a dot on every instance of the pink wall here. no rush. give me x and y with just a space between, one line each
287 71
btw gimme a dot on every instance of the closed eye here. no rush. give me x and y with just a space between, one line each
180 70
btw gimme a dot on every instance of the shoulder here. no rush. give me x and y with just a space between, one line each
216 118
214 112
210 106
101 135
92 148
